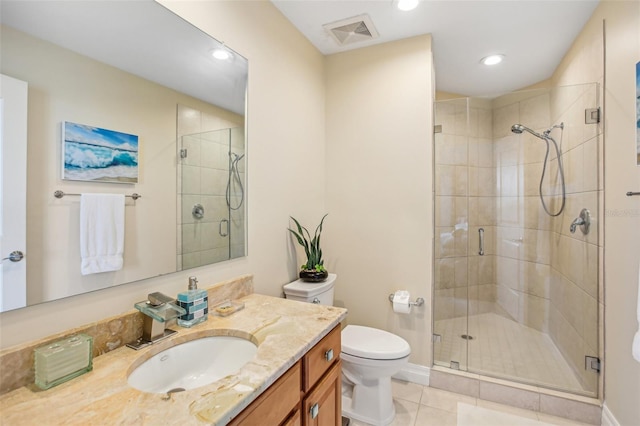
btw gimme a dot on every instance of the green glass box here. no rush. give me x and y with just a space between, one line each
63 360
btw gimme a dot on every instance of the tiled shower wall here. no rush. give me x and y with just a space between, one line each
533 270
573 316
522 237
547 276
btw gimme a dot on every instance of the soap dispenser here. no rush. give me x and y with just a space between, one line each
195 302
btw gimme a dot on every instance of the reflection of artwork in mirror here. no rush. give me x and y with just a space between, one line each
95 154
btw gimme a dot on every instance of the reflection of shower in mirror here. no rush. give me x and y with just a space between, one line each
234 184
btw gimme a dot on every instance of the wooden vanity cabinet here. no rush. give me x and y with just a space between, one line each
275 404
308 394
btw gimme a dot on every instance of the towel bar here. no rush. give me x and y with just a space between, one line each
60 194
629 194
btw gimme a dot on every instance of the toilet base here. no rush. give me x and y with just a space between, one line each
372 405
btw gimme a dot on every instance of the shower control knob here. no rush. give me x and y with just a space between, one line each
197 211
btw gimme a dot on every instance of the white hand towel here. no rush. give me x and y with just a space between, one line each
635 347
101 232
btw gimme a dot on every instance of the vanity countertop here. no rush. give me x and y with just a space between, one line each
283 329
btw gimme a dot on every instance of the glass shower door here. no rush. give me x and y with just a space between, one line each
516 287
451 289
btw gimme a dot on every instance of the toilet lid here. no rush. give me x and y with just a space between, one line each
371 343
304 289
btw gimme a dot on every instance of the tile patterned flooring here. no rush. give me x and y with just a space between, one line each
504 348
418 405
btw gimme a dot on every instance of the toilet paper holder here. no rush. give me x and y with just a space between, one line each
419 301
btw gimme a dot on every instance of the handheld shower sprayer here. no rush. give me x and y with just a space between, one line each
518 129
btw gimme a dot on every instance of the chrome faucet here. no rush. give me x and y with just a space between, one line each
157 310
583 221
576 222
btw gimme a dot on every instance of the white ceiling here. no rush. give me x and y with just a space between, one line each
141 37
533 35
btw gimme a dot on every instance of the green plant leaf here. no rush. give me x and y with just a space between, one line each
311 245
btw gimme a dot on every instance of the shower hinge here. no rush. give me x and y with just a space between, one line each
592 363
437 128
436 338
455 365
592 115
183 153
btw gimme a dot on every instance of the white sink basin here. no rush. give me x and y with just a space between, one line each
192 364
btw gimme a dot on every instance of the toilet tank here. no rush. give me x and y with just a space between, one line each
321 293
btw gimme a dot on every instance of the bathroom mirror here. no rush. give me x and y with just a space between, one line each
139 69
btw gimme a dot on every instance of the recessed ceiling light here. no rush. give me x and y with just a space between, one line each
407 4
221 53
492 59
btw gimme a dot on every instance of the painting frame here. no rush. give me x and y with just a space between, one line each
95 154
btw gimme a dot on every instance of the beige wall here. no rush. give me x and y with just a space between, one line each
285 127
379 156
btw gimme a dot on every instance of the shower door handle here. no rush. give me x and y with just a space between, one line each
223 231
481 241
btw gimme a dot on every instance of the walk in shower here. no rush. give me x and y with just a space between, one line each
516 292
212 197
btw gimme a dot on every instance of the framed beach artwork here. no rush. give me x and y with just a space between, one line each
99 155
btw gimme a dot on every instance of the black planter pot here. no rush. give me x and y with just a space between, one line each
313 276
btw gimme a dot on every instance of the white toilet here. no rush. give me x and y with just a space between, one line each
369 358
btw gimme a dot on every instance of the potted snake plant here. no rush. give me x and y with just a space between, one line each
313 270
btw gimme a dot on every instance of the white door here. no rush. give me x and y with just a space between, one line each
13 193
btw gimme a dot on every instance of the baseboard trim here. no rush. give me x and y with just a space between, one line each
414 373
608 419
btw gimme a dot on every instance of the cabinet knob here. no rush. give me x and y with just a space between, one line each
314 410
328 355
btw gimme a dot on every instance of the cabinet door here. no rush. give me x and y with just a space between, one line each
275 404
323 405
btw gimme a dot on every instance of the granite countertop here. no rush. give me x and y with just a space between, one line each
284 331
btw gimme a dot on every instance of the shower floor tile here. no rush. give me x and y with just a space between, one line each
503 348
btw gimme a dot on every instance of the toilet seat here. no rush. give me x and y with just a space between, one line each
372 343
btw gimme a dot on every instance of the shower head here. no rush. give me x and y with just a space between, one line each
519 128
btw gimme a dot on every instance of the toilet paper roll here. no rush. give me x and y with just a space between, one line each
401 302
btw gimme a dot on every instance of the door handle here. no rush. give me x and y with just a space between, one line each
14 256
223 232
481 241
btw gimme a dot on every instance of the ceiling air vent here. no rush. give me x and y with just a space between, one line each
352 30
